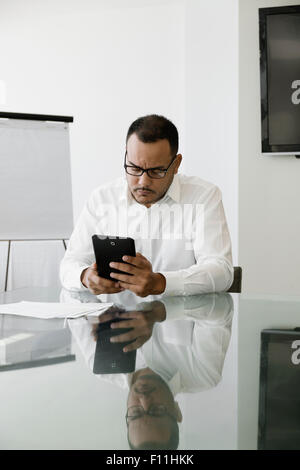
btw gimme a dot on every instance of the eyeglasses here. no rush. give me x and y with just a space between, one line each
157 173
136 412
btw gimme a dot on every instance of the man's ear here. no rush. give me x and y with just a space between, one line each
178 413
178 162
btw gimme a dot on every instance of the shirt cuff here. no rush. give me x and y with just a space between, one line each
174 307
73 279
80 272
174 283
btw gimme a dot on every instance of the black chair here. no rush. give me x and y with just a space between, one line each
236 286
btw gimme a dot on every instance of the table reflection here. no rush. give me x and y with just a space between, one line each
27 342
179 346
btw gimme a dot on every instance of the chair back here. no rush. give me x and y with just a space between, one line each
236 286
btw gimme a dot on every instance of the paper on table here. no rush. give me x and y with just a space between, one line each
48 310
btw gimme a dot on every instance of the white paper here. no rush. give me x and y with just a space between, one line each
48 310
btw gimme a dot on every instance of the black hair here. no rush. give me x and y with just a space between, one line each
171 444
152 128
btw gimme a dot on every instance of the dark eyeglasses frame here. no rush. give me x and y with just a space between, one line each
163 170
165 413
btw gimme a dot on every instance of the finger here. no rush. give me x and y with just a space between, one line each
104 317
100 283
106 282
94 266
135 344
138 260
123 324
131 335
126 268
104 287
135 317
127 278
130 314
114 290
132 287
97 291
115 308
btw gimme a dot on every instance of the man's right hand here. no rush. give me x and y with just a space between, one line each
140 322
99 285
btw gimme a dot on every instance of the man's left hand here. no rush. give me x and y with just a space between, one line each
141 280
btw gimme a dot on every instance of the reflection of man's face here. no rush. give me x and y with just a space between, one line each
146 390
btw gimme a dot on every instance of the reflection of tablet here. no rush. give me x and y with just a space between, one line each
279 398
109 357
109 249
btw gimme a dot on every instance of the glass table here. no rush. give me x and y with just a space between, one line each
196 373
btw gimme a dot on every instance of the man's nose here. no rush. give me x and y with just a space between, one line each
145 400
144 179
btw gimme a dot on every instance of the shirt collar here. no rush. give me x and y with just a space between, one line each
175 384
173 191
125 193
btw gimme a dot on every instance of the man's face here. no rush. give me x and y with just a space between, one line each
147 390
144 189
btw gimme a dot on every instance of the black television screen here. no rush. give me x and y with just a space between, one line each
279 30
279 393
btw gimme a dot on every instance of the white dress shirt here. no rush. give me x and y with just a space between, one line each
184 235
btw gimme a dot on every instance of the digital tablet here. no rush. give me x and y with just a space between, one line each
107 249
109 357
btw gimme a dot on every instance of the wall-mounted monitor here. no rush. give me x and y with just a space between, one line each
279 384
279 30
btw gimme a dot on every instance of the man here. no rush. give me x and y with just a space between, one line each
178 224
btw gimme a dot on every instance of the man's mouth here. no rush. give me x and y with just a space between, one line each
143 191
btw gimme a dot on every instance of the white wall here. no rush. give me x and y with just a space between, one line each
211 65
108 62
269 194
105 63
